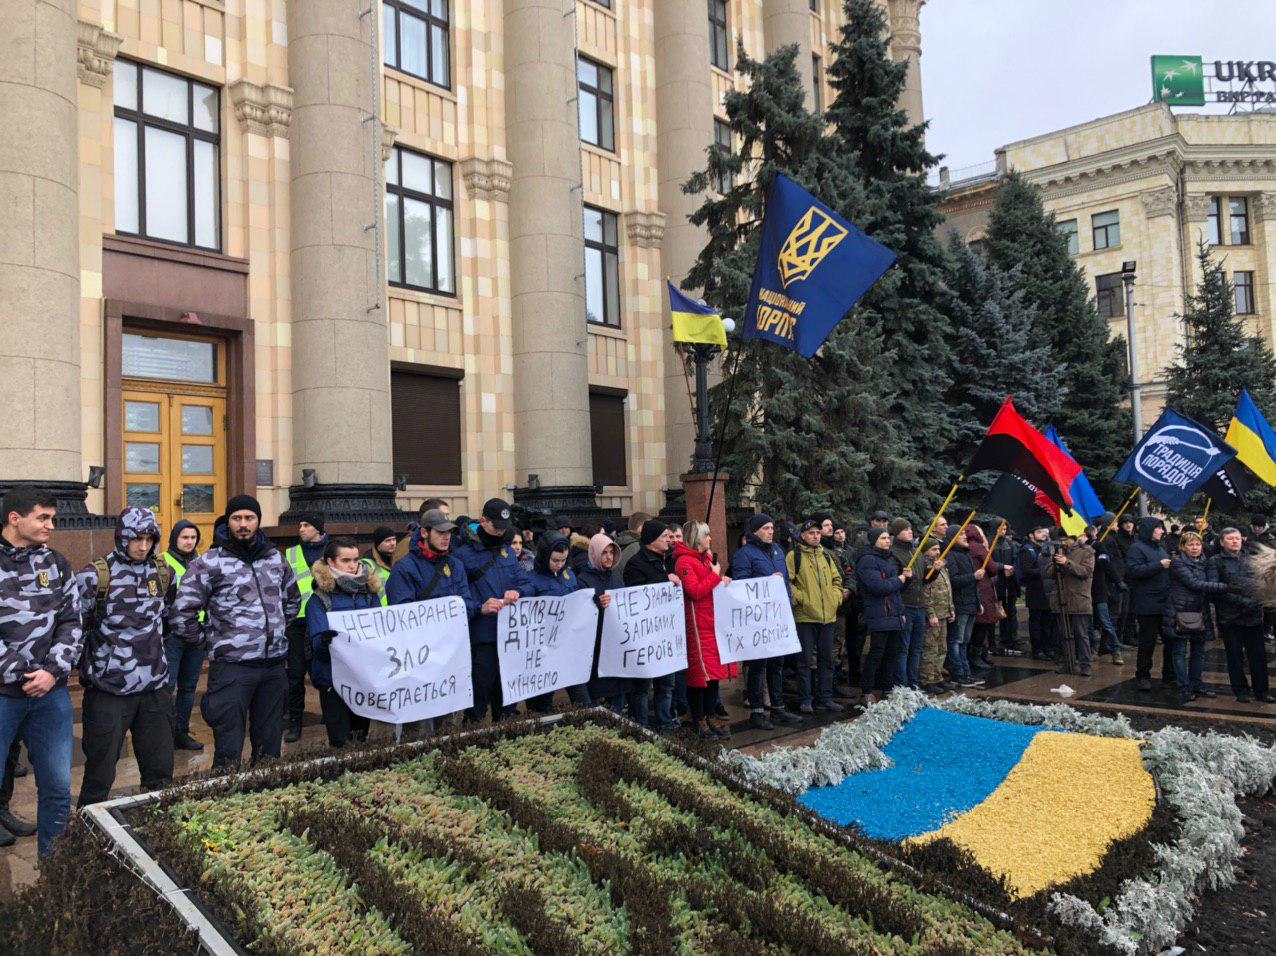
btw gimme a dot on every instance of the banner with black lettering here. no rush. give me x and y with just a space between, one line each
644 632
754 620
545 644
403 663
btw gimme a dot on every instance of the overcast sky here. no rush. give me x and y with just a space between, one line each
996 71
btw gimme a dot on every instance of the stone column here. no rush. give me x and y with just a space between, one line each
684 125
551 366
785 22
340 341
906 46
39 250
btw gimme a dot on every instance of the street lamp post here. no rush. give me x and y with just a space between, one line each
702 458
1136 403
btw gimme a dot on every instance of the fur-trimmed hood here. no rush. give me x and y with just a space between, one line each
326 581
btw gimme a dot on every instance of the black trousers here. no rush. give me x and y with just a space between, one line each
245 696
1041 633
10 765
981 639
486 667
298 664
341 722
1244 643
768 673
855 635
108 719
1008 627
544 703
884 648
1149 631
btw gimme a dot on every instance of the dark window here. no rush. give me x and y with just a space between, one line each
719 38
415 39
817 82
1243 283
1068 229
602 3
607 438
1107 229
596 98
815 6
166 152
425 424
1213 232
1109 295
418 216
722 140
602 267
1238 220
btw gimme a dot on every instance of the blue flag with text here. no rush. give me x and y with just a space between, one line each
1175 459
813 266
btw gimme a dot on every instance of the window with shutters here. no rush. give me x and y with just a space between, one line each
425 413
607 437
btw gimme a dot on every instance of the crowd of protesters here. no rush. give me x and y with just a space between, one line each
875 608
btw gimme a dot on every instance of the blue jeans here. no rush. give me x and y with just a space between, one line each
1102 623
959 632
45 724
185 661
664 687
1188 667
913 640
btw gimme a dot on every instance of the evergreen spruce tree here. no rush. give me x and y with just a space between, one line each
803 435
1094 416
873 170
1218 356
994 351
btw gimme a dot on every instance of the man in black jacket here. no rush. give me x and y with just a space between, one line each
653 564
1109 579
1147 571
1005 554
1124 620
1240 618
1030 566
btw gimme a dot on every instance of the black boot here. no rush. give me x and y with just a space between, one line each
184 741
12 824
293 734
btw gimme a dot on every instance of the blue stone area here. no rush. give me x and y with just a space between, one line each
945 765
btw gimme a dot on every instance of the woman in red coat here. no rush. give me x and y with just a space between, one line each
694 564
984 635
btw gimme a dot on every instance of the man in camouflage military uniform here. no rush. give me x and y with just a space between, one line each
124 668
248 594
40 641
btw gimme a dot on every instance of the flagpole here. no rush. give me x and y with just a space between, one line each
934 521
722 431
1206 516
995 538
1117 517
969 518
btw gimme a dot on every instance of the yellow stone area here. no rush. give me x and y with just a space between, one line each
1057 811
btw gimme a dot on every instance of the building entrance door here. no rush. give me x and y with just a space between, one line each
175 437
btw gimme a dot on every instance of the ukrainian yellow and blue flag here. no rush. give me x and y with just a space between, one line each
1253 439
693 322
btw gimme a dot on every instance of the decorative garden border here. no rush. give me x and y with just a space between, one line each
1200 776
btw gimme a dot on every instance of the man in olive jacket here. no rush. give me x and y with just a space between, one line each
817 595
1072 568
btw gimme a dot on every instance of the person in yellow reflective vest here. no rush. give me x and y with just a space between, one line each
185 661
380 557
310 529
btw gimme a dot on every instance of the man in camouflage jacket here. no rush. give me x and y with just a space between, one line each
40 641
248 594
124 669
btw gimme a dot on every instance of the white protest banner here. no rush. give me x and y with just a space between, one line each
403 663
644 632
754 620
545 644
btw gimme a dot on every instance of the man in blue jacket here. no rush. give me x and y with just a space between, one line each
496 578
761 556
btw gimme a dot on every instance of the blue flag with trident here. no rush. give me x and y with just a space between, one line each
813 266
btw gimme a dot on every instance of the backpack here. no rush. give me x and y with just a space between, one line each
163 574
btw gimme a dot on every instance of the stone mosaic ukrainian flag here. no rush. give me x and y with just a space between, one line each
1034 805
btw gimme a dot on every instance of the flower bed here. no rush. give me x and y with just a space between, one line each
585 836
1047 812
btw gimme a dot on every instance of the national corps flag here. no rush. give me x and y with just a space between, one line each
1175 459
813 266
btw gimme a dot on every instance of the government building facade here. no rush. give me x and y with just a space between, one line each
1145 186
347 256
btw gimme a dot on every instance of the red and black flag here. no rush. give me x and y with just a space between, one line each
1022 505
1014 446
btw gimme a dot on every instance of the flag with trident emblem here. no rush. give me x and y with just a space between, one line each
813 266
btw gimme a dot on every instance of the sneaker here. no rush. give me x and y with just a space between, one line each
1243 698
1266 699
1145 683
783 716
12 824
805 709
759 722
1205 693
186 742
934 690
1117 658
832 706
293 734
971 681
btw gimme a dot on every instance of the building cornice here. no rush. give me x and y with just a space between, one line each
95 52
487 178
264 110
1197 206
1159 202
645 229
